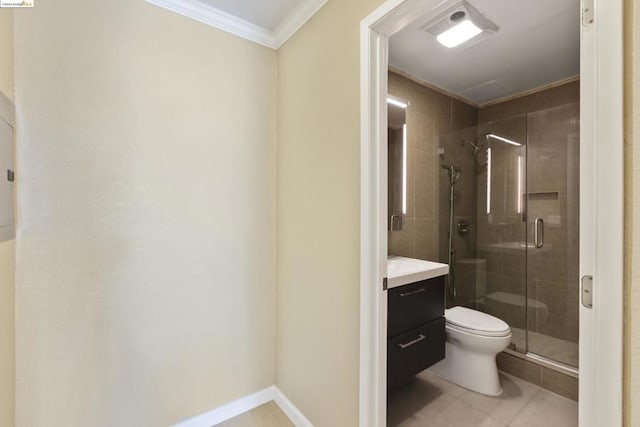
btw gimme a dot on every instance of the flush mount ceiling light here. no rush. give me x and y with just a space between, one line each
458 24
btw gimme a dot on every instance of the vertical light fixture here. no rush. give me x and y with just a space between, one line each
488 180
404 169
397 102
519 196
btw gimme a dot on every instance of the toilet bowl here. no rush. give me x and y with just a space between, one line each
473 341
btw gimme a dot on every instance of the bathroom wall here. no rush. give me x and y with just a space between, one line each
146 241
318 303
6 52
7 249
566 93
434 121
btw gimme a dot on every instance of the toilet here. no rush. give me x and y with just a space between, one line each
473 341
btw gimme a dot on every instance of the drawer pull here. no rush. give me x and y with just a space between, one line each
410 343
417 291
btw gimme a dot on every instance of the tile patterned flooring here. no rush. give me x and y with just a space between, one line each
430 401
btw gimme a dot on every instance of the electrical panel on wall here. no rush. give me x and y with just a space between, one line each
7 227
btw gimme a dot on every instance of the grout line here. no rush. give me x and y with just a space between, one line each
489 415
525 406
453 402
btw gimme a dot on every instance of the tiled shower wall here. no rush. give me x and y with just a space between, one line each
553 156
552 278
429 115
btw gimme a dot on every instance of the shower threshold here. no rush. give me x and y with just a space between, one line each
546 362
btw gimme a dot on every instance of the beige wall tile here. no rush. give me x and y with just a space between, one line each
424 185
401 242
430 115
559 383
520 368
426 238
560 95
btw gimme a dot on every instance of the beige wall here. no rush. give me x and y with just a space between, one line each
7 249
7 364
319 214
146 251
6 52
632 215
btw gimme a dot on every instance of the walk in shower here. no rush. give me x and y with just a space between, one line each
509 226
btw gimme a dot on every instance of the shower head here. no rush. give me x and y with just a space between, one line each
471 146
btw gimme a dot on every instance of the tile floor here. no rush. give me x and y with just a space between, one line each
429 401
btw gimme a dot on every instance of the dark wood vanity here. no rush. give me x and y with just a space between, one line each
415 329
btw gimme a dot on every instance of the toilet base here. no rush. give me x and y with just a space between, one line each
476 371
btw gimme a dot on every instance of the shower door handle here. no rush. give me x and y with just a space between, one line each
538 233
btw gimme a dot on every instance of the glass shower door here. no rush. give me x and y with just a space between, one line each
553 178
502 231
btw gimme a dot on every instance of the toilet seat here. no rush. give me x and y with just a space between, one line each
475 322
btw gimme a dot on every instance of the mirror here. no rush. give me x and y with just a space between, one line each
397 163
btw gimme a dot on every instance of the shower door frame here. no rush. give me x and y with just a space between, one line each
601 208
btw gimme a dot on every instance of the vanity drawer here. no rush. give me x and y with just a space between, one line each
414 351
410 306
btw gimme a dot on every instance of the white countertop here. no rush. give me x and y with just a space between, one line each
402 271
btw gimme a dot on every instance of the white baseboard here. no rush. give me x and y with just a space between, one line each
245 404
294 414
230 410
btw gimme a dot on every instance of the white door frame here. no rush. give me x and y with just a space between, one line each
601 208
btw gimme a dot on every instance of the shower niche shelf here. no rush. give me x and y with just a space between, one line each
544 195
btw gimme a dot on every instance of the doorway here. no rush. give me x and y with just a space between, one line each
600 168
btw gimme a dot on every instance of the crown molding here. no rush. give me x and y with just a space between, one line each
226 22
296 19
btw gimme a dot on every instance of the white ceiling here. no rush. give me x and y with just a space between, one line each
267 22
266 14
538 42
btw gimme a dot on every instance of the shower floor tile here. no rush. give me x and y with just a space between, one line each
429 401
544 345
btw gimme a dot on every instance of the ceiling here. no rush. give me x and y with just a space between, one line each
267 22
266 14
538 43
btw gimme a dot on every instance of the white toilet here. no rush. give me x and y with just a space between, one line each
473 341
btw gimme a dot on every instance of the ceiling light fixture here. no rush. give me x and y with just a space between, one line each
458 24
459 34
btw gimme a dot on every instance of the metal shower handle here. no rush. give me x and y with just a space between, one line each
538 233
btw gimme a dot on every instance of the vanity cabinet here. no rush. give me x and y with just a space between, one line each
415 329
